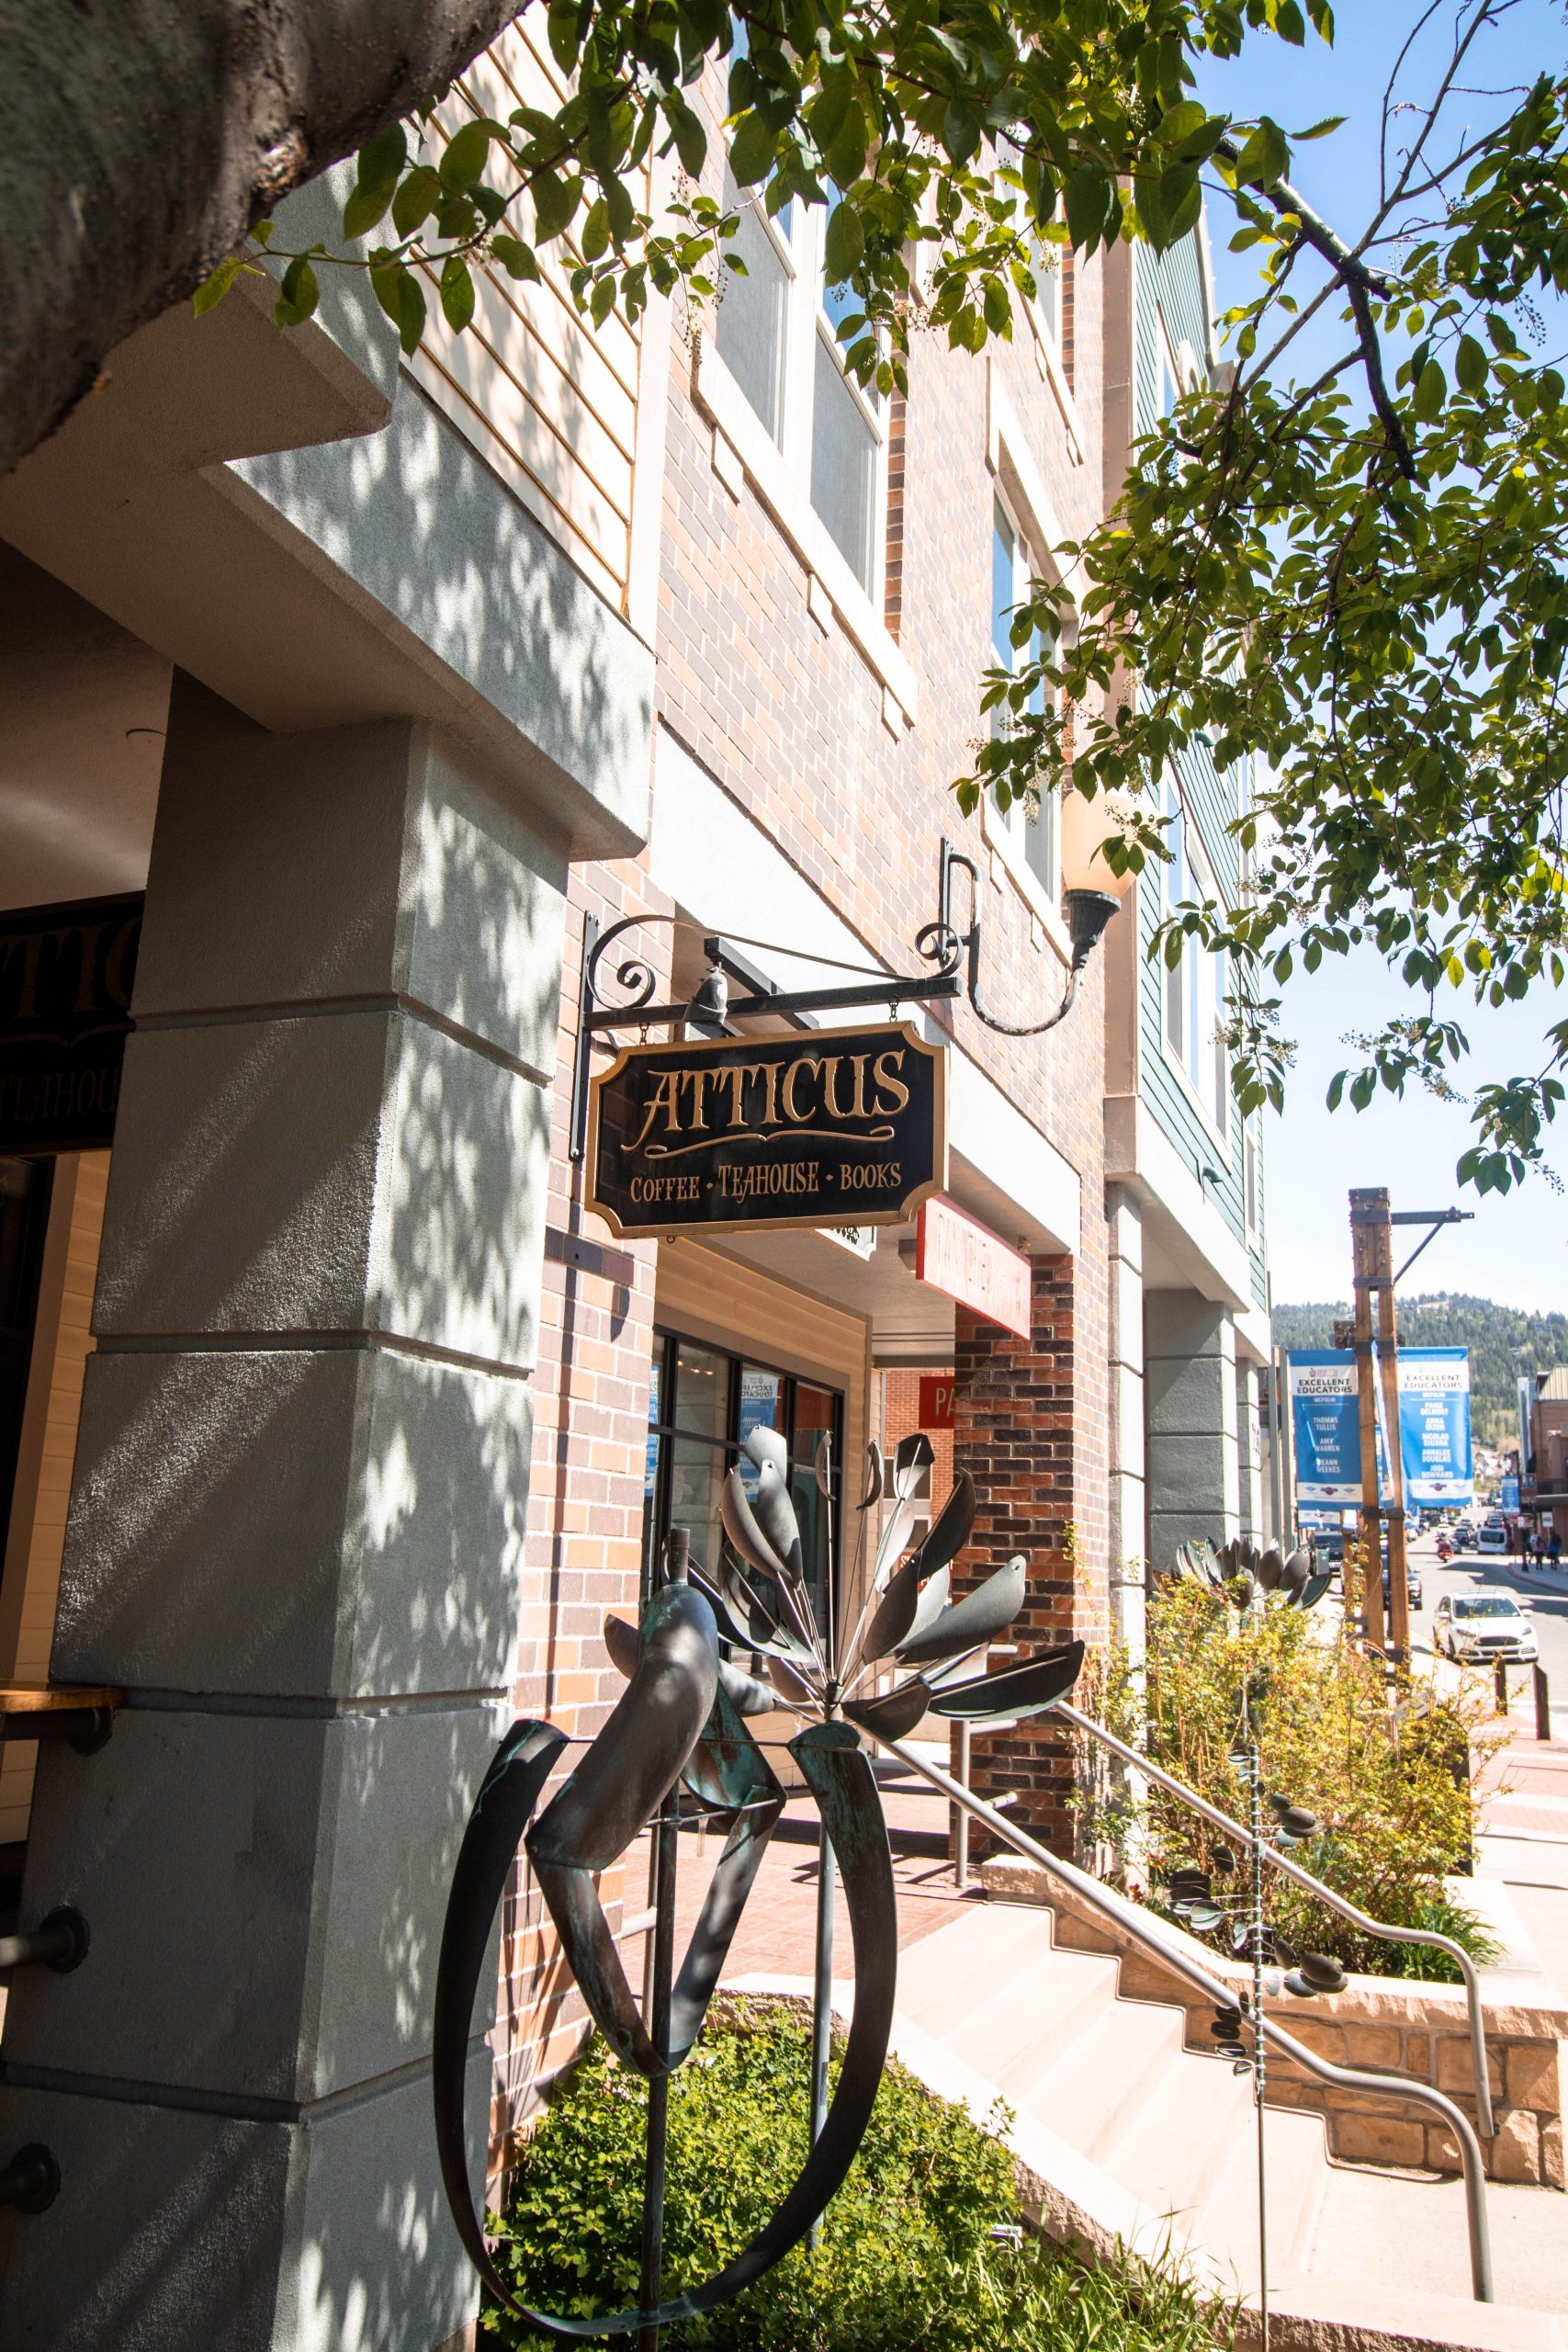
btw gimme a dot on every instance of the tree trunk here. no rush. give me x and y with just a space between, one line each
139 140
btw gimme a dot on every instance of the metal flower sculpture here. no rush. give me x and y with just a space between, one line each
680 1724
907 1618
1246 1578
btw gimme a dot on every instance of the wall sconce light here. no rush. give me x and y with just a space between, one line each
1091 894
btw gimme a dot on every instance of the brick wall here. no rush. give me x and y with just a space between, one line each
1030 1428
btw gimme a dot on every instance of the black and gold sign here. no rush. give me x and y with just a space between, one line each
825 1127
65 980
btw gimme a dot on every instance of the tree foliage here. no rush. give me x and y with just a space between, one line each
1391 1788
1357 585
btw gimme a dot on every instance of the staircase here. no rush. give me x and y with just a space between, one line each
1132 2135
1122 2133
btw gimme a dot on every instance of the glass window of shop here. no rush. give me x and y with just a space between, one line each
703 1404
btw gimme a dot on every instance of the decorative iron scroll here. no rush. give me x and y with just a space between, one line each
680 1724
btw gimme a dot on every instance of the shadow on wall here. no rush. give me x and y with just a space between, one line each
297 1537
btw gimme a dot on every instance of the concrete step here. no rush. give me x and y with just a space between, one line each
1097 2079
1171 2147
1297 2172
1012 2021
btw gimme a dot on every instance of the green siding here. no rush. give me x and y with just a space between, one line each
1170 292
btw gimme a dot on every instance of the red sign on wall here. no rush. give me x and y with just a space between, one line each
957 1254
936 1400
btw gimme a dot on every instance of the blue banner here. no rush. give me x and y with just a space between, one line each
1434 1427
1324 1426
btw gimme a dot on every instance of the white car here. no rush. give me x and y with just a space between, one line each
1492 1539
1478 1627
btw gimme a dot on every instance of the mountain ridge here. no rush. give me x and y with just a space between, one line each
1504 1341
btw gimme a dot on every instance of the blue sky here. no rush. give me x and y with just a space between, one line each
1516 1250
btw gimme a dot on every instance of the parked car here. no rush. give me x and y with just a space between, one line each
1492 1539
1412 1584
1464 1535
1478 1627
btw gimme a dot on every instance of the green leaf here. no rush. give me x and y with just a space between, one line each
555 204
418 195
211 290
1470 365
515 258
1266 157
1431 392
691 139
1319 130
751 150
595 238
298 294
457 293
466 154
1288 24
1087 200
845 243
960 129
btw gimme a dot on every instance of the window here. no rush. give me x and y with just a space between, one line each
777 333
1197 987
1011 570
1252 1173
702 1407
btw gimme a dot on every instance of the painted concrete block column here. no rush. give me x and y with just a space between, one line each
296 1538
1014 1431
1193 1472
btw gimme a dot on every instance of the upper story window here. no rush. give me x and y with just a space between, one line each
777 335
1012 567
1252 1173
1197 987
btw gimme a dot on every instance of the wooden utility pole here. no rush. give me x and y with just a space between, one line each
1372 1246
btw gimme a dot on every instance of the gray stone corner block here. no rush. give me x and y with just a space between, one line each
184 2232
359 861
266 1894
1180 1323
1190 1474
352 1172
346 1523
1188 1396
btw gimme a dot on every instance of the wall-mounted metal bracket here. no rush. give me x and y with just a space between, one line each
1087 913
83 1716
30 2182
717 1003
59 1942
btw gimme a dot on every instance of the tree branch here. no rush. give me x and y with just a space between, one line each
137 152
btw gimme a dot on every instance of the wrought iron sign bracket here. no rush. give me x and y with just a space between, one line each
714 1007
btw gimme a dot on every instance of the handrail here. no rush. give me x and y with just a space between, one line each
1339 1903
1138 1925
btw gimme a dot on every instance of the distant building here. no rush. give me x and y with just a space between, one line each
1543 1481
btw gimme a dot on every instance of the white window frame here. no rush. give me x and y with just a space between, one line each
781 470
1199 1060
1010 834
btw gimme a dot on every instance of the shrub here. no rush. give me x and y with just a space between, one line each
906 2256
1391 1787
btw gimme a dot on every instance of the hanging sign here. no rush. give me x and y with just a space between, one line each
937 1393
1433 1426
65 980
825 1127
957 1254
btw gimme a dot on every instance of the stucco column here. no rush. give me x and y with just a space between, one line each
296 1538
1189 1371
1249 1455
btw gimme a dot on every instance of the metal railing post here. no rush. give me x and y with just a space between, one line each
1126 1916
1542 1702
961 1826
1382 1929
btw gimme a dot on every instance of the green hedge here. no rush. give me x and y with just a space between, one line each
906 2256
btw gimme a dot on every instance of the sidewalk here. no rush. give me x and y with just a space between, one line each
1528 1579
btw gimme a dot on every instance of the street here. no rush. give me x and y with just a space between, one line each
1524 1839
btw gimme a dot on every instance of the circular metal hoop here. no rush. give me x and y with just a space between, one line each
840 1777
